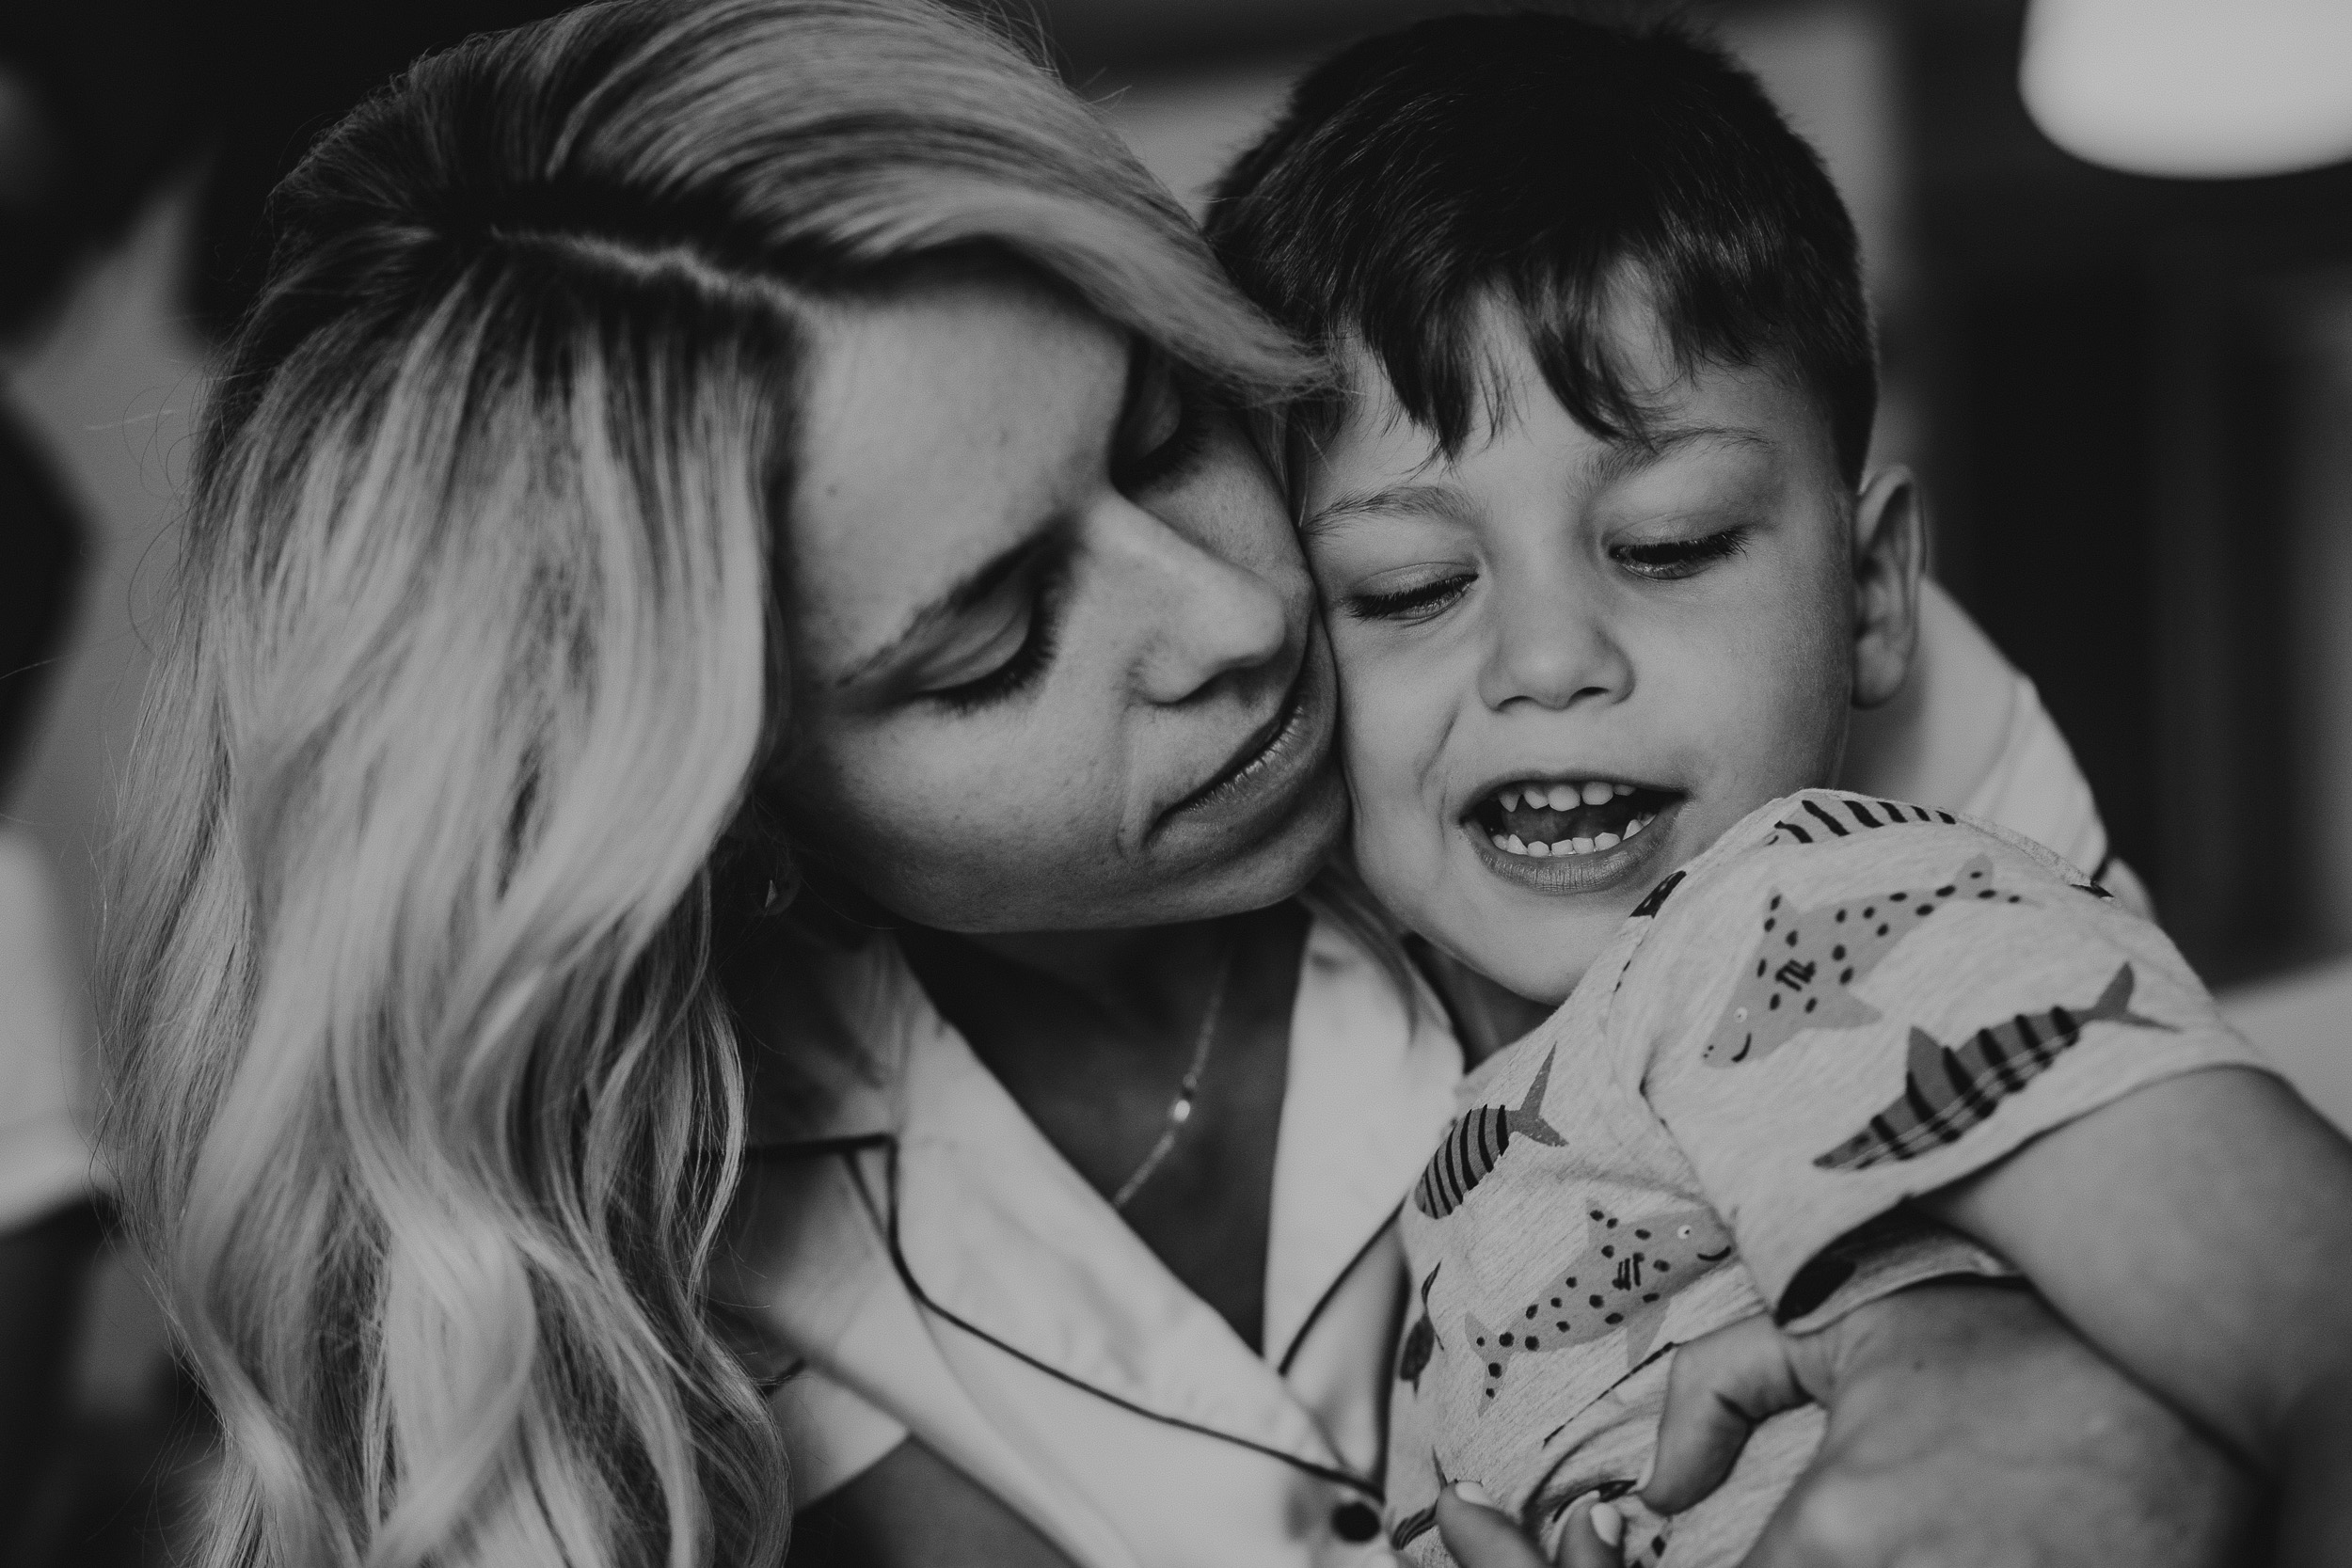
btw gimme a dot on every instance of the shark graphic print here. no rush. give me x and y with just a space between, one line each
1806 961
1946 1092
1475 1141
1618 1284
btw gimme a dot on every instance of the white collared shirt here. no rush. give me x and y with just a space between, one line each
1050 1356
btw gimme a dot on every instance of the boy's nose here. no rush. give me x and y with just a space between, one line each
1551 648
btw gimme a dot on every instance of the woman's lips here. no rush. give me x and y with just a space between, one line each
1260 750
1280 754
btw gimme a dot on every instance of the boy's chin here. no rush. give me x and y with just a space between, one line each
1547 971
1539 956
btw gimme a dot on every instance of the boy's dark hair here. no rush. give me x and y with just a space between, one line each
1532 157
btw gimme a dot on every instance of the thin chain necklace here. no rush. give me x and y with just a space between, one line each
1180 1108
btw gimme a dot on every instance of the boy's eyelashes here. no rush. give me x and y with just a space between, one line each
1424 594
1413 600
1665 560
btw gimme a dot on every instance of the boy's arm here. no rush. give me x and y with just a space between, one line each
1836 1023
2200 1230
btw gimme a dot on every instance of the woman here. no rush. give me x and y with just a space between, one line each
703 483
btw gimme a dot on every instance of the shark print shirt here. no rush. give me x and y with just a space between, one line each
1843 1004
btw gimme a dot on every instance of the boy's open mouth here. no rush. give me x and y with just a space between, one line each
1539 818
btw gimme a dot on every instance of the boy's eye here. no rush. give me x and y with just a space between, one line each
1411 601
1668 558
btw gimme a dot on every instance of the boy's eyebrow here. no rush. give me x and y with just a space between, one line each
1389 501
1615 460
1620 459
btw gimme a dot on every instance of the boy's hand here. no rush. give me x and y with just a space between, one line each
1967 1428
1480 1535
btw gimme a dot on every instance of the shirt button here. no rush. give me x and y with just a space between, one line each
1355 1521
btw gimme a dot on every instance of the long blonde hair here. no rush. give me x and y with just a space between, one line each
424 1100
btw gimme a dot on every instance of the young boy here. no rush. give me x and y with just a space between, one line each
1605 578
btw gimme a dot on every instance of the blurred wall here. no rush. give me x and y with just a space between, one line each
110 387
2130 399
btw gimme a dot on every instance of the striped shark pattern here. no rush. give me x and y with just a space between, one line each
1619 1283
1413 1525
1656 898
1422 1520
1473 1144
1420 1340
1948 1092
1806 960
1817 821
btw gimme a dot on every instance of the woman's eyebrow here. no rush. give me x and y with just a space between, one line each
973 588
1392 500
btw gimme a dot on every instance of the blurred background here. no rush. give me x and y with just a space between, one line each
2129 394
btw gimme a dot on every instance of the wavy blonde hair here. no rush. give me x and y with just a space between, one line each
425 1102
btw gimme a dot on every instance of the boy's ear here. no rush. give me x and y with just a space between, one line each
1890 547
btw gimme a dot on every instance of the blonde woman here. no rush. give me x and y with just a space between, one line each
728 521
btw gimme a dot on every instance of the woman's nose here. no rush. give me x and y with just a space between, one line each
1202 619
1552 646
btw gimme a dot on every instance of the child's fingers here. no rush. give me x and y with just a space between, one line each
1482 1536
1594 1537
1717 1391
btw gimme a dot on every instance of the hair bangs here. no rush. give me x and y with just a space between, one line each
1569 173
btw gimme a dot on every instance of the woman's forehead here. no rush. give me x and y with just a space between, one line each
942 427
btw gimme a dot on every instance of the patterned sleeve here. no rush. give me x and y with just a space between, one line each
1831 1021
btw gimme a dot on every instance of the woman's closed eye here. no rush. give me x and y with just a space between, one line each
1414 598
1162 427
1667 560
1009 644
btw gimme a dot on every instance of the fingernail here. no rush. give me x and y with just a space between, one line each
1608 1522
1470 1492
1649 1468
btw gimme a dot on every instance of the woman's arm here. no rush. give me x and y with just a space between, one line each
914 1508
2200 1230
1966 1426
1943 730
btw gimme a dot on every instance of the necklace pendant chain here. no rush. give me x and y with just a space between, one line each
1188 1089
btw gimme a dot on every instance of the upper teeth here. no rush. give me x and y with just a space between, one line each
1564 796
1513 844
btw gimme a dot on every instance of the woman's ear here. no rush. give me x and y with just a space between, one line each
1890 547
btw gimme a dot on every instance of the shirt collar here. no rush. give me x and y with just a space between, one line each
999 1228
1373 1072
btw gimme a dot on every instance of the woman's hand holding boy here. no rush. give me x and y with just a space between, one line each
1970 1430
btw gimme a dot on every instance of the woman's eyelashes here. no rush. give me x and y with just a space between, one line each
1665 560
1039 621
1162 429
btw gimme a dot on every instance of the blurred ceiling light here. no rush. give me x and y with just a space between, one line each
2193 88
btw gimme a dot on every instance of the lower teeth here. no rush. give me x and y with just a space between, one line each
1513 844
